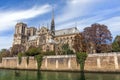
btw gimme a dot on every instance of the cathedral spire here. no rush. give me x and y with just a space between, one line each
52 22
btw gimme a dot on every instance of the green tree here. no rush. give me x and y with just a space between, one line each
27 60
116 44
20 57
66 49
33 51
39 59
36 52
81 57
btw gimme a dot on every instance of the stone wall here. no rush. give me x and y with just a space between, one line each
108 62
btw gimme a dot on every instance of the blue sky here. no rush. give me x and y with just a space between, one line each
68 13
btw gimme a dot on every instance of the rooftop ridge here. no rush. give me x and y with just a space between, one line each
66 29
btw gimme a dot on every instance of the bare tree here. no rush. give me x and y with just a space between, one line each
17 49
4 53
79 43
97 34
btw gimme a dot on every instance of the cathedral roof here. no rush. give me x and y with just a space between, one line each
72 30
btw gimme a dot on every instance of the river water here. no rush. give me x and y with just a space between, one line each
35 75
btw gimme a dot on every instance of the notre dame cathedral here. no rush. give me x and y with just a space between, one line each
47 39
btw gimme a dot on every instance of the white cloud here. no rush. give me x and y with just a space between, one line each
113 24
75 9
81 2
10 18
6 41
85 13
81 23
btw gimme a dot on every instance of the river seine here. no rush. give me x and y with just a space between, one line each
35 75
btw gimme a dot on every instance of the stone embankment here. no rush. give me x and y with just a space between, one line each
107 62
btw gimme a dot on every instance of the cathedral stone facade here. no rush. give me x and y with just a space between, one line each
47 39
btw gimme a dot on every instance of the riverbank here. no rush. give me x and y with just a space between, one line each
108 62
77 71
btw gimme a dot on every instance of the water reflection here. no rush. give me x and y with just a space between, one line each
82 76
56 76
38 75
17 73
26 77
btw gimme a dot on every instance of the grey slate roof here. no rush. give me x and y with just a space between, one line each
66 31
59 33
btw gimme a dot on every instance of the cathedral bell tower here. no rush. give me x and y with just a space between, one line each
20 36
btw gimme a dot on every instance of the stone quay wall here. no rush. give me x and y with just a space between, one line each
107 62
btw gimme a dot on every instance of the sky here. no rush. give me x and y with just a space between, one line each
67 13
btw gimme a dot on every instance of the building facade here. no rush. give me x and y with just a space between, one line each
47 39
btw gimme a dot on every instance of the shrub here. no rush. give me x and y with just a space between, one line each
115 47
66 49
81 57
49 53
27 60
33 52
70 52
39 59
20 57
